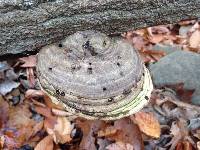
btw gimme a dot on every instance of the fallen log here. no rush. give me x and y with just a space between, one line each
26 26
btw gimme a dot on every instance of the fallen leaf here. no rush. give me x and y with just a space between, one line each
180 133
45 144
38 127
127 132
157 38
158 30
194 27
89 129
35 102
197 134
138 42
198 145
30 77
147 123
45 111
4 111
103 143
31 93
61 132
194 40
20 126
2 141
184 95
60 113
184 145
120 146
109 131
28 62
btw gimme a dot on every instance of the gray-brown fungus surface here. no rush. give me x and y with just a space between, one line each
94 76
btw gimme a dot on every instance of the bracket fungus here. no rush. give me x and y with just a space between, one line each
94 76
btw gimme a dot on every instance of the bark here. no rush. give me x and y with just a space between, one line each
27 25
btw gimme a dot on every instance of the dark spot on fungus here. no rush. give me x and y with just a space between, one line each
60 45
110 99
84 36
146 97
73 68
90 63
104 89
90 70
58 92
88 47
50 68
126 92
118 64
104 43
119 57
62 93
79 97
143 74
121 74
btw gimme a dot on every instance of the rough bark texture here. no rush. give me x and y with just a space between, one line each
27 25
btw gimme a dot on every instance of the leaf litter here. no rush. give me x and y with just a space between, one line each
29 120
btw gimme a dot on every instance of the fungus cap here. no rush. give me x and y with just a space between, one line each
94 76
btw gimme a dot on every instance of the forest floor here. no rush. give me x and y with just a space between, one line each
29 120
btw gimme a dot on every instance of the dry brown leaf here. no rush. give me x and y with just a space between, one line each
30 77
29 61
127 132
194 40
157 38
31 93
197 134
19 117
50 104
35 102
147 123
179 127
61 132
120 146
45 144
185 145
38 127
194 27
145 58
21 124
45 111
89 129
161 29
180 132
151 55
183 94
2 141
198 145
60 113
109 131
138 42
4 109
50 120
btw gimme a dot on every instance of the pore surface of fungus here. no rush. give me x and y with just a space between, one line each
94 76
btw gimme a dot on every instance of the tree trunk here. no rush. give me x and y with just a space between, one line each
27 25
